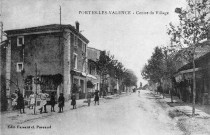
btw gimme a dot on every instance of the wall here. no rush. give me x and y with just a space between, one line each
3 101
44 49
66 64
208 81
81 57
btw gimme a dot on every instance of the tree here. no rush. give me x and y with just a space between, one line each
154 69
170 68
105 64
130 78
191 31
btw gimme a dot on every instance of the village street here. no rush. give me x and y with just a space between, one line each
125 115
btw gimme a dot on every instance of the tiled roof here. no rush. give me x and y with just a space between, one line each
201 52
45 28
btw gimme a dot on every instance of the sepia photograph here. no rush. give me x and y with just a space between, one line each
105 67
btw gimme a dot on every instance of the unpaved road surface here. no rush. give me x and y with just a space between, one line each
127 115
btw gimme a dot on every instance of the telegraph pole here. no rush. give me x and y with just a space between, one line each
1 26
35 81
60 15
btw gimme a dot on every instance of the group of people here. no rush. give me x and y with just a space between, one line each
18 101
89 95
43 97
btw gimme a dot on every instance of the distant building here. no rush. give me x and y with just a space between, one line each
58 52
93 75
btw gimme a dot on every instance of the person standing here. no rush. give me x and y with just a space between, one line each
20 102
73 101
89 98
43 97
138 92
52 102
61 100
14 100
32 100
96 99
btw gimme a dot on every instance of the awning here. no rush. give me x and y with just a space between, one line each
91 76
77 73
83 74
187 74
190 70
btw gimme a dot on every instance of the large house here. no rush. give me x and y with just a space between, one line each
55 54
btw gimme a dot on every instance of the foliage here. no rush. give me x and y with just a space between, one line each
192 28
129 78
154 69
105 63
108 65
191 31
113 83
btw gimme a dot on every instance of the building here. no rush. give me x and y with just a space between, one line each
184 77
55 54
93 75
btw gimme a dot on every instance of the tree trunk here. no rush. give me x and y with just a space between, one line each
194 86
171 90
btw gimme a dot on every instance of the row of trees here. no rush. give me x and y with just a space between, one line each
185 37
108 66
160 67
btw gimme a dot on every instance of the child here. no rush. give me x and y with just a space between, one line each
73 101
52 102
32 100
43 104
61 100
14 100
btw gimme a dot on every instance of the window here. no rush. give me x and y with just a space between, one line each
97 86
20 40
83 47
19 66
75 41
75 61
83 67
76 81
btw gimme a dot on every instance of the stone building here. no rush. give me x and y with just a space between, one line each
93 76
54 53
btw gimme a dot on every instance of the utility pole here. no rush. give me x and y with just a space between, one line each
60 15
35 81
1 23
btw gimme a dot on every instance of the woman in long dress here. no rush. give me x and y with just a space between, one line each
20 102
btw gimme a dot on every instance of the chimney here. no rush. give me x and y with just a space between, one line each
77 25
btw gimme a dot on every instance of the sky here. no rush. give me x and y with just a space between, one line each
130 38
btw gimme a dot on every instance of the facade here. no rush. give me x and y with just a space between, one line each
93 76
3 75
52 53
184 78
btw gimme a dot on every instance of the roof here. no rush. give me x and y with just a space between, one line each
190 65
45 28
93 48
